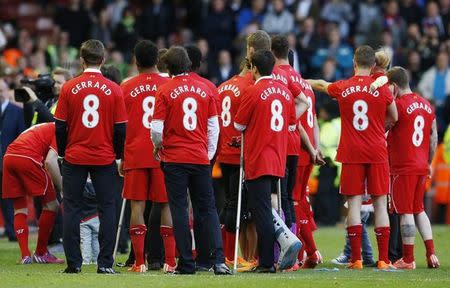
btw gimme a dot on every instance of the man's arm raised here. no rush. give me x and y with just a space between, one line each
319 85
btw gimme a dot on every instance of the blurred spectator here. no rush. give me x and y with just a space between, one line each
156 20
292 46
125 35
340 12
307 8
387 44
11 125
61 52
414 68
102 30
369 23
410 11
413 37
394 23
278 20
329 73
225 69
207 61
341 52
254 14
220 29
445 13
435 85
117 63
433 18
115 10
429 46
307 43
75 20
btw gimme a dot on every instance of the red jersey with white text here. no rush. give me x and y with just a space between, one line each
34 143
90 104
363 117
409 139
211 86
307 120
267 110
139 95
230 93
280 74
185 105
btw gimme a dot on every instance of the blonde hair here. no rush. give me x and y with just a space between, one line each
382 59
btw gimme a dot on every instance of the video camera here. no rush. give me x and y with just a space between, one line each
42 86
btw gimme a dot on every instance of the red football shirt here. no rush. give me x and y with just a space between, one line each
139 94
363 117
34 143
267 110
283 75
307 119
185 105
211 86
90 104
409 139
230 93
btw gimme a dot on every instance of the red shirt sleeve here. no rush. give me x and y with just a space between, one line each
61 107
160 107
295 88
246 108
334 89
120 113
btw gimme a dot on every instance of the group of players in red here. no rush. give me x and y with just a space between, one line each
269 109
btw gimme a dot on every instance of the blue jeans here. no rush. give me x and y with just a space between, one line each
367 253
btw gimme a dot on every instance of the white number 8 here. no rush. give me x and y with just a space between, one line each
148 105
309 116
190 118
419 124
226 115
277 121
360 121
90 105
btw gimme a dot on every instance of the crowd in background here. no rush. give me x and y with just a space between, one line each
323 35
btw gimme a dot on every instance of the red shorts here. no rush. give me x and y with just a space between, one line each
301 183
407 193
23 176
145 184
356 179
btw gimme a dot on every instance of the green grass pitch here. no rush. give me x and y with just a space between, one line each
329 240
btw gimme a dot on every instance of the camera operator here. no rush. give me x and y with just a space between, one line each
42 100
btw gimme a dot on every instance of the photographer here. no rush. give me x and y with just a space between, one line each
40 103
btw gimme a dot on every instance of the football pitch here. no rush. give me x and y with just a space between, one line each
329 240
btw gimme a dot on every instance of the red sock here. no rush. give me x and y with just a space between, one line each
302 250
21 229
408 253
429 246
307 236
169 245
46 222
231 239
355 235
382 234
137 235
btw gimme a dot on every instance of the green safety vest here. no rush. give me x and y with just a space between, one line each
447 145
35 116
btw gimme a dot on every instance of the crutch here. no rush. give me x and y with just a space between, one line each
239 204
119 227
279 196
